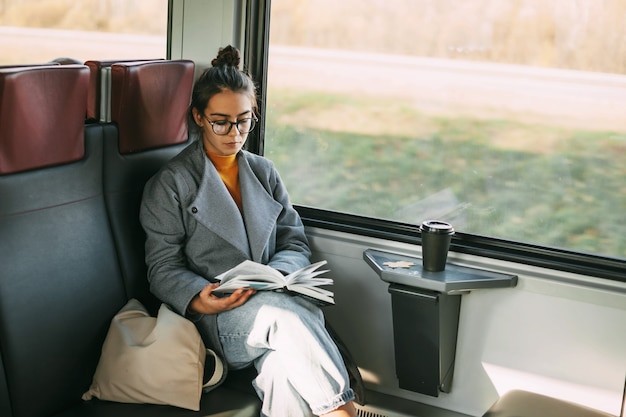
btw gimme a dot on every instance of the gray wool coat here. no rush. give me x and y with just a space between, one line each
195 231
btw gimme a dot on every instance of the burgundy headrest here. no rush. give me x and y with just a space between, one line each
149 102
42 116
94 96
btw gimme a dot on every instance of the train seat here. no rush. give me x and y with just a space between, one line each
63 274
148 128
59 281
149 102
518 403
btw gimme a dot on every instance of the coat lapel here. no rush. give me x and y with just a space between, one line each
217 211
260 210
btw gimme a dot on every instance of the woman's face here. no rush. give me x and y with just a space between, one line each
221 109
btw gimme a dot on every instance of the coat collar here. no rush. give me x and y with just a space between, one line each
216 210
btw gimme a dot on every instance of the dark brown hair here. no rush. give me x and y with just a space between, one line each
224 74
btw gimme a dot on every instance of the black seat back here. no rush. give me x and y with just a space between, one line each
60 282
149 103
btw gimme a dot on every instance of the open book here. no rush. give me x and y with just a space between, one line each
305 281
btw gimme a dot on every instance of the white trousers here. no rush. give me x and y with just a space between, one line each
300 370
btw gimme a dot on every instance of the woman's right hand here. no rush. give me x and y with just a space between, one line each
207 303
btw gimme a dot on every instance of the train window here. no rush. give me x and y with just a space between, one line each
35 31
505 118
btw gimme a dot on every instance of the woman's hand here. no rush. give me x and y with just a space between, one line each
207 303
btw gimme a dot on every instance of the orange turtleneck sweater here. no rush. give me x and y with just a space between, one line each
228 169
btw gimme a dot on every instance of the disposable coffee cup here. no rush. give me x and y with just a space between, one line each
436 237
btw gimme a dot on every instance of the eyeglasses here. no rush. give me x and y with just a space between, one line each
223 127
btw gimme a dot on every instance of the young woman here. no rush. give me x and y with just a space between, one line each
216 205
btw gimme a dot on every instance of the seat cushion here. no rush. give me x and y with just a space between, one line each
221 402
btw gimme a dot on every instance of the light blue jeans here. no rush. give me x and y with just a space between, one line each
300 369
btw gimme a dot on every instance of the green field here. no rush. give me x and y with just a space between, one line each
552 186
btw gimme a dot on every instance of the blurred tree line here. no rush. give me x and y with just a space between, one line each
146 17
586 35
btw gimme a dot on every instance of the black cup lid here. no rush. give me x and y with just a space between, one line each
437 226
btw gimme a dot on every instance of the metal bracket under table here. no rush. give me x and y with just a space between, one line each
425 308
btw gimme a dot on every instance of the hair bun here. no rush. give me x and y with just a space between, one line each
228 56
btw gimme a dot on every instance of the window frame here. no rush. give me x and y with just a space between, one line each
594 265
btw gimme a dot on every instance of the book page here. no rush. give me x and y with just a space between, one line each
305 281
254 282
314 292
249 274
307 272
251 268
